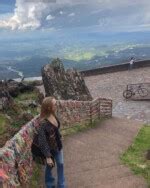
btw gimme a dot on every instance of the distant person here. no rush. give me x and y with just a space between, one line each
131 63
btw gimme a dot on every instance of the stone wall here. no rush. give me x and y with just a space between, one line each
115 68
71 111
16 157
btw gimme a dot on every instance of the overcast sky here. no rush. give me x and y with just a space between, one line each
64 26
94 15
26 19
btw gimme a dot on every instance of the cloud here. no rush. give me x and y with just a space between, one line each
27 15
61 12
35 14
50 17
71 14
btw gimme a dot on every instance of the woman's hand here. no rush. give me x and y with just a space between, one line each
50 161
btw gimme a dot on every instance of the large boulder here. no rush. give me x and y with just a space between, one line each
63 84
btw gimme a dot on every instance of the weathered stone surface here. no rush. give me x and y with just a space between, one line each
30 103
10 89
14 88
63 84
5 100
40 94
26 116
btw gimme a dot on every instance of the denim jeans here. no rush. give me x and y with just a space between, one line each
49 179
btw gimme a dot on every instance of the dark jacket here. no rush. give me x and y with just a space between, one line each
49 137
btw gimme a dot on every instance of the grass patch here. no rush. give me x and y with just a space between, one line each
13 111
80 127
3 124
32 95
135 156
18 124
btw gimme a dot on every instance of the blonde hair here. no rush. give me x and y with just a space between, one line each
47 107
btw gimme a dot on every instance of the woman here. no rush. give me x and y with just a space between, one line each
50 142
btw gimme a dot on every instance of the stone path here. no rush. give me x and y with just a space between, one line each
91 158
112 85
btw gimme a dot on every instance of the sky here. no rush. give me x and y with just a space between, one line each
90 15
41 23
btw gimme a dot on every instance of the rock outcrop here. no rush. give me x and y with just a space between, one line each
14 87
63 84
5 100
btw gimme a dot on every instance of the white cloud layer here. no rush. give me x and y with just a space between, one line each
71 14
31 14
50 17
26 15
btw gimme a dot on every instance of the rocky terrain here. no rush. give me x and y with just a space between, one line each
64 84
19 103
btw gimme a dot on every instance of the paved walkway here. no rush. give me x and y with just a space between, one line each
112 85
91 157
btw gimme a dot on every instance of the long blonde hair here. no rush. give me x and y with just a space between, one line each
47 107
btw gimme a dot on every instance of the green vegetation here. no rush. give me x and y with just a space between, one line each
32 95
7 118
13 111
135 156
78 56
3 124
27 96
79 127
36 177
13 118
